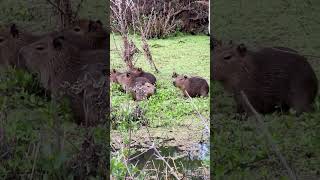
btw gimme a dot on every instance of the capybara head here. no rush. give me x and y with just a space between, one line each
48 56
136 71
87 34
113 75
179 80
11 41
227 59
143 91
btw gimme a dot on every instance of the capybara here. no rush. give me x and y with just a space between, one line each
194 86
62 69
87 34
269 77
140 73
128 80
12 39
142 91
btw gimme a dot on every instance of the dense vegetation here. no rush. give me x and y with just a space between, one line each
38 138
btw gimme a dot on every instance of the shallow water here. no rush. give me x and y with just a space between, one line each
185 162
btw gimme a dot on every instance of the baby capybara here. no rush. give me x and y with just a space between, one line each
270 77
128 80
140 73
142 91
195 86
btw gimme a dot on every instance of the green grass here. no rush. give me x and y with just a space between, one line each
183 54
239 149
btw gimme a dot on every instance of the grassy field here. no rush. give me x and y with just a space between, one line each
185 55
169 116
38 138
240 150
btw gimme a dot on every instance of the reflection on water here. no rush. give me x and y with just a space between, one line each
182 161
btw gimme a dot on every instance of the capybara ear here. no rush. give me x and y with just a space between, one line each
140 69
14 31
185 76
114 71
242 49
174 75
99 22
57 43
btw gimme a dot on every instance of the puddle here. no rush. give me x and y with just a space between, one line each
188 163
184 148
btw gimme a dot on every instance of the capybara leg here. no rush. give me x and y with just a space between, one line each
301 104
204 93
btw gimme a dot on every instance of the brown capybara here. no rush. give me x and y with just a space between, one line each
269 77
140 73
87 34
12 39
128 80
114 74
63 70
142 91
195 86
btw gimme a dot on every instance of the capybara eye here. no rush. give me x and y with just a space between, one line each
40 48
77 29
227 57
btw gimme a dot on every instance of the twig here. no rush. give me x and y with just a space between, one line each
204 120
268 137
166 163
35 160
56 6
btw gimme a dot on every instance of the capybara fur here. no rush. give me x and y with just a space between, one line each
12 39
142 91
194 86
140 73
269 77
65 70
128 80
114 74
87 34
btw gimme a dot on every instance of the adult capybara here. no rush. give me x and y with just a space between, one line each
128 80
270 77
195 86
64 70
140 73
87 34
12 39
141 91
